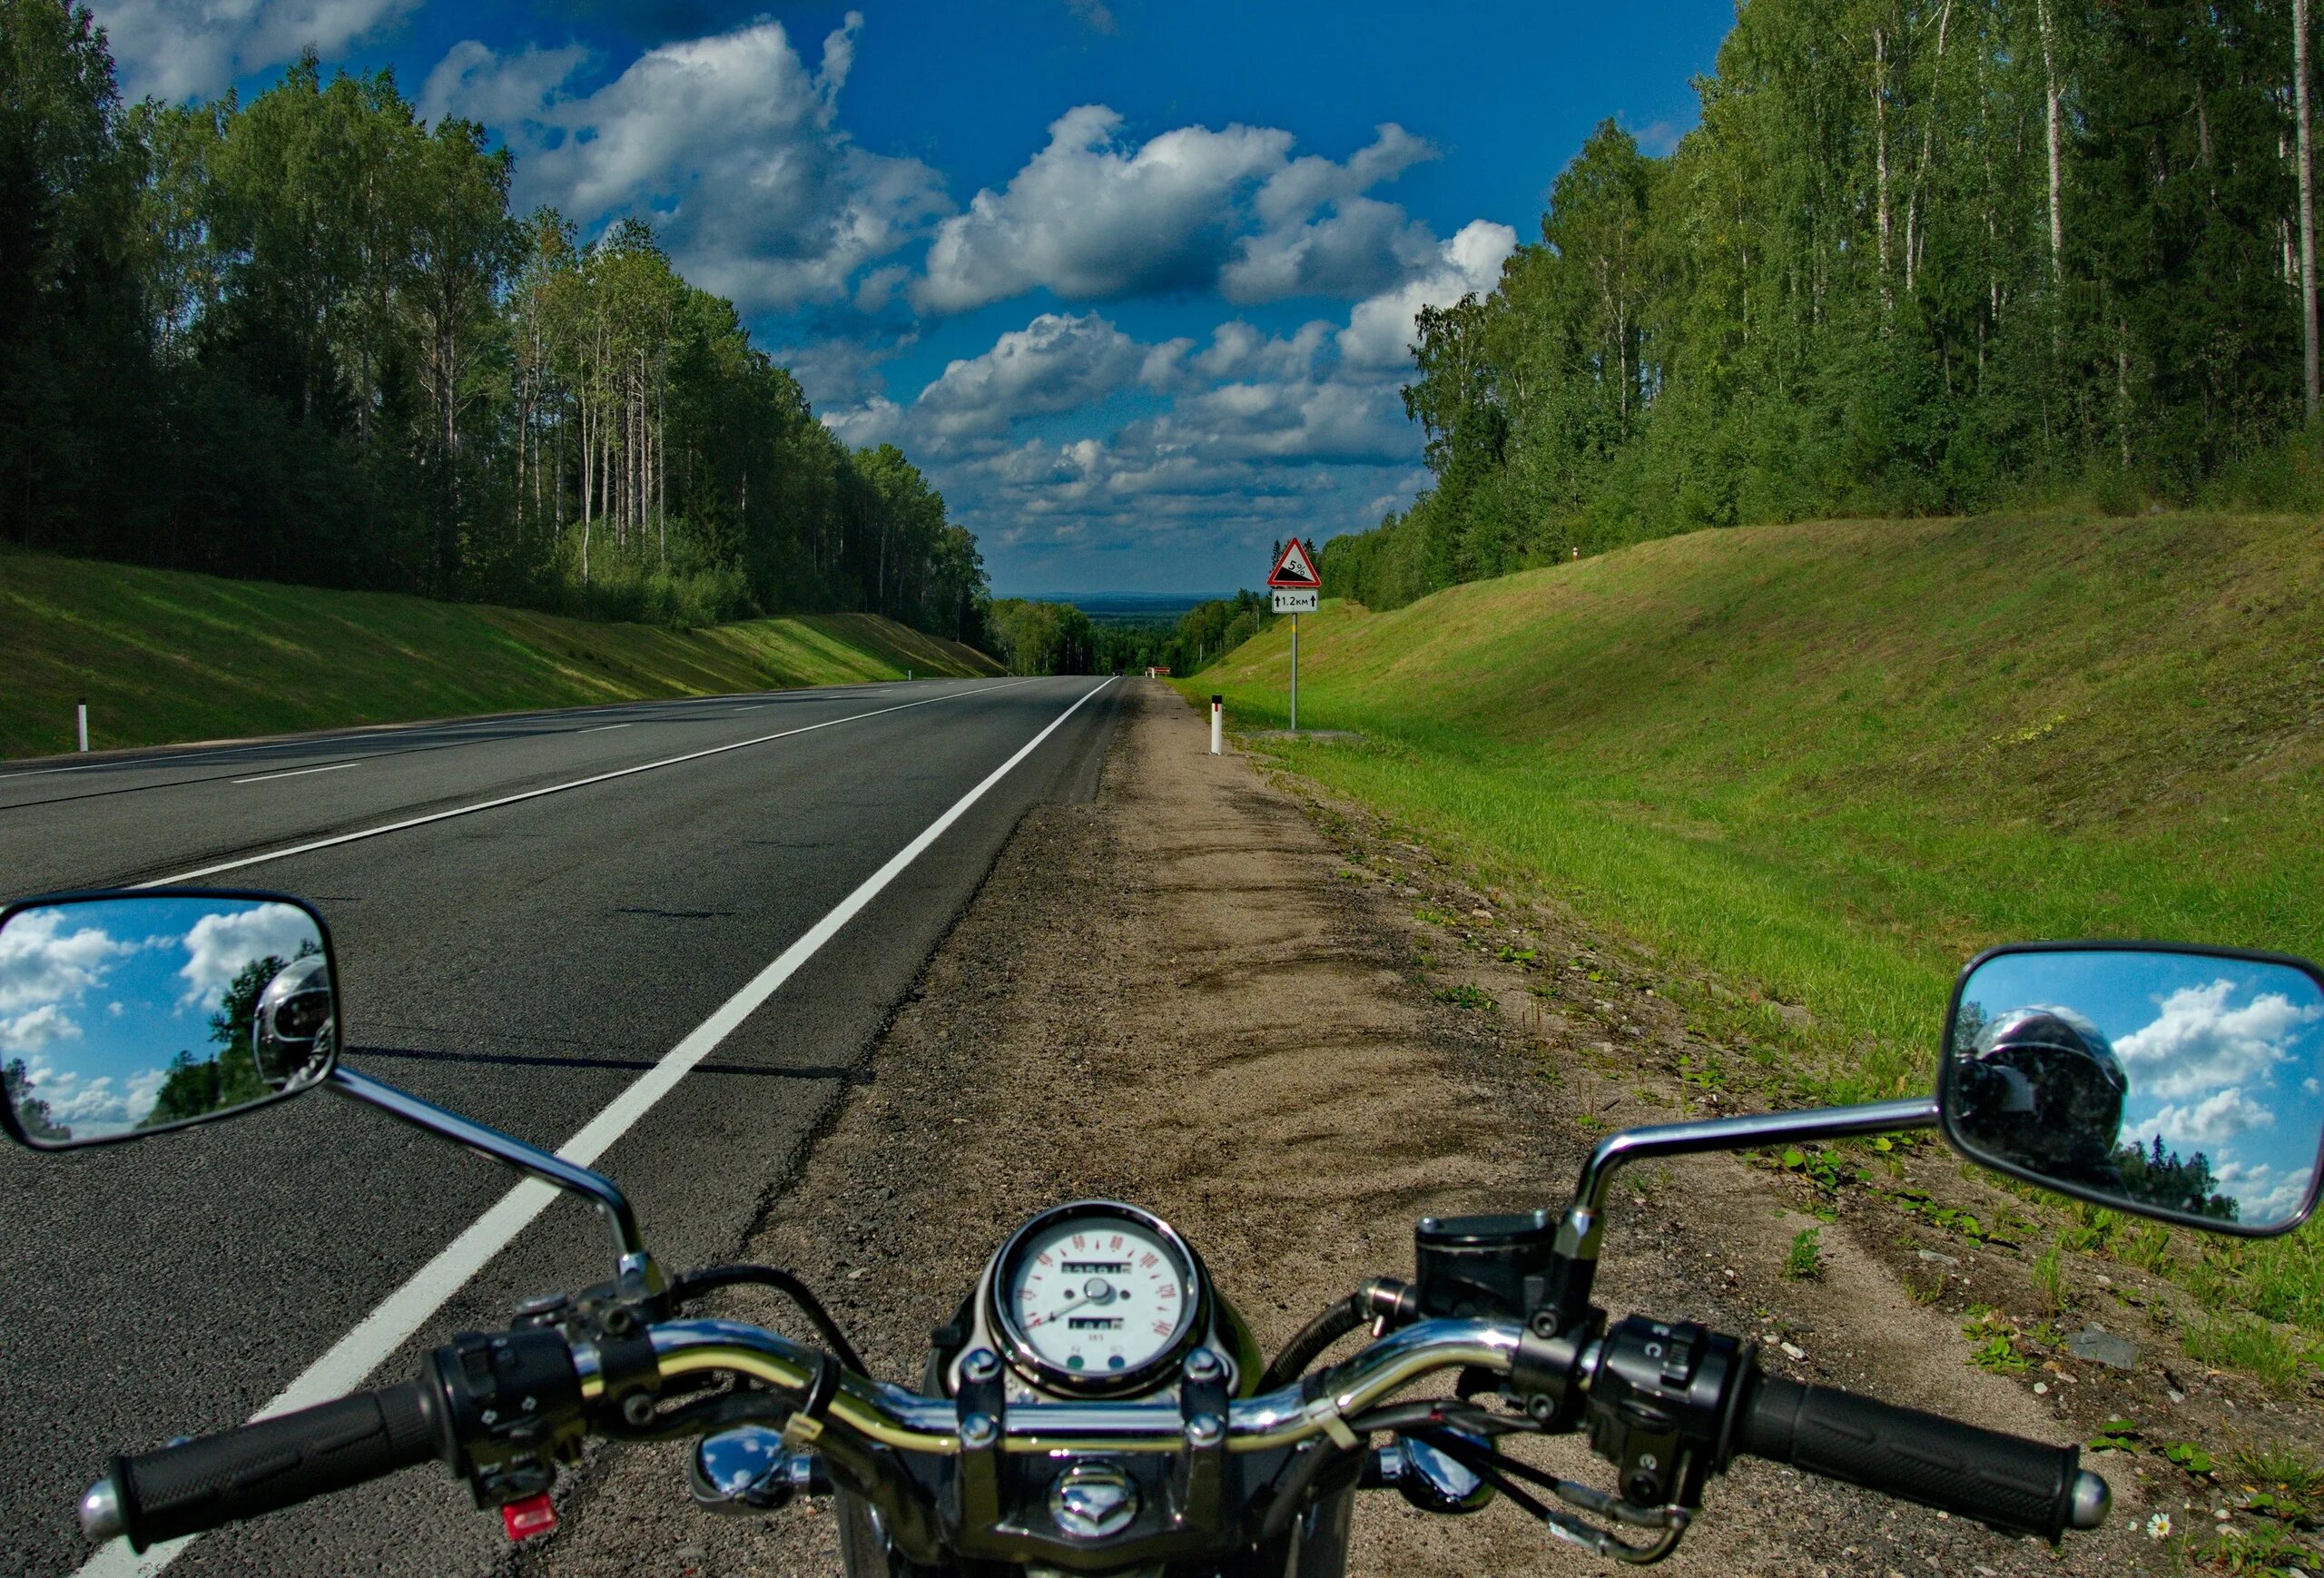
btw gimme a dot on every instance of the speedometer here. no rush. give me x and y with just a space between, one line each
1097 1298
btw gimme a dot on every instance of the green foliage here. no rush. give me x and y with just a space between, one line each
1804 1261
2115 1435
2190 1456
2255 1346
1993 1341
303 339
1467 995
1850 289
32 1114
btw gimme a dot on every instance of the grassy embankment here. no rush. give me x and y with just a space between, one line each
1832 761
162 656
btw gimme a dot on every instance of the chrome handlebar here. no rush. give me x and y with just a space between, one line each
908 1422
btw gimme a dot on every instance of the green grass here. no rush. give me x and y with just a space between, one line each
162 656
1829 762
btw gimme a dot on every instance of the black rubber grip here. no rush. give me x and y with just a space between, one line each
2005 1481
274 1464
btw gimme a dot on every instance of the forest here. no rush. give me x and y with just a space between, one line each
1918 257
304 338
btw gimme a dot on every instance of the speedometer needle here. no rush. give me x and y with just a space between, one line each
1076 1302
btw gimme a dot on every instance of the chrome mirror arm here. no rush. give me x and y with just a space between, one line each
1583 1228
632 1261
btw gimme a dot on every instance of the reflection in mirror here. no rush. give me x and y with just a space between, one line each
2182 1084
129 1013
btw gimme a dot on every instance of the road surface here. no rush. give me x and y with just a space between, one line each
528 913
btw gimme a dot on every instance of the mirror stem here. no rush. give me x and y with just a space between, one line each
629 1248
1583 1228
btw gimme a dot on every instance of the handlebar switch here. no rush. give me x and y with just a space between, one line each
513 1406
1659 1403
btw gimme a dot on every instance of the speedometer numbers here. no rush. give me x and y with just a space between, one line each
1095 1296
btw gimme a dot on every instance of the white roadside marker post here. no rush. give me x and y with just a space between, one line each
81 717
1217 724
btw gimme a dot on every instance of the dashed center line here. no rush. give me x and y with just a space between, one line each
600 728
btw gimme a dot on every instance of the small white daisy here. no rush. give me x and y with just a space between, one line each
2158 1527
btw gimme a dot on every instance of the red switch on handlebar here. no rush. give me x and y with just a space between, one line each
531 1516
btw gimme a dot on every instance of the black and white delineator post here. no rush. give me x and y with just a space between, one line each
1217 724
1297 590
81 719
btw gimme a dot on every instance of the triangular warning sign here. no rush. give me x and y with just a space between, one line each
1294 569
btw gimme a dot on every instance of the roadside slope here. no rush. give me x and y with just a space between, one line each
1835 759
163 656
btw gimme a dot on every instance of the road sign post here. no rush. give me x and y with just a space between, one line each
1298 590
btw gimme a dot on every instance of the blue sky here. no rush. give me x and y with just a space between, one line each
1132 281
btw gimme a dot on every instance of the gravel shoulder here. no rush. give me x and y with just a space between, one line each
1210 995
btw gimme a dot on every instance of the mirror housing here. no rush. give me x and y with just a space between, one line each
2174 1081
105 997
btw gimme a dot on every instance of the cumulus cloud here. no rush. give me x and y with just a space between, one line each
728 144
220 945
47 960
1055 363
37 1028
2197 1044
1379 329
2214 1120
177 49
1092 217
92 1107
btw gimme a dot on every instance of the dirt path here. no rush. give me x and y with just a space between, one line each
1186 994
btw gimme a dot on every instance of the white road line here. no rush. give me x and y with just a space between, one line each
600 728
351 1359
338 839
299 773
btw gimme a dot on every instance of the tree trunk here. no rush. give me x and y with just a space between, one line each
2310 386
1880 154
1913 238
2057 149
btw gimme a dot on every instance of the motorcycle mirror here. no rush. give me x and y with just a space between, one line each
2185 1083
127 1014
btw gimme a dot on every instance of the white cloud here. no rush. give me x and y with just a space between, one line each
45 960
95 1107
1091 219
2197 1044
1055 363
726 144
219 944
2214 1120
36 1028
177 49
2279 1202
1379 333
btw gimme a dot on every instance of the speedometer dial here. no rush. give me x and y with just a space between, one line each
1095 1297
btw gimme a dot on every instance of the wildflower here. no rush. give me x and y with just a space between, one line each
2158 1527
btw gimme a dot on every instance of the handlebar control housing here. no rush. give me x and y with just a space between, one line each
1662 1402
513 1404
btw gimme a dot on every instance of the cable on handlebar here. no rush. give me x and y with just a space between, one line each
694 1284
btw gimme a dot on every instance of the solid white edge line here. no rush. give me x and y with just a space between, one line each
600 728
296 772
350 1360
338 839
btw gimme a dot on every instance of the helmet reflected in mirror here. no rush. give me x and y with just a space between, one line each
125 1014
2177 1082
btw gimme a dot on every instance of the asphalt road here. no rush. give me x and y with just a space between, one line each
522 963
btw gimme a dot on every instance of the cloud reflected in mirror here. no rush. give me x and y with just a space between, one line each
125 1014
2181 1083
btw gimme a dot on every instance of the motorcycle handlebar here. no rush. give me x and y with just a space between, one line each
277 1463
2005 1481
